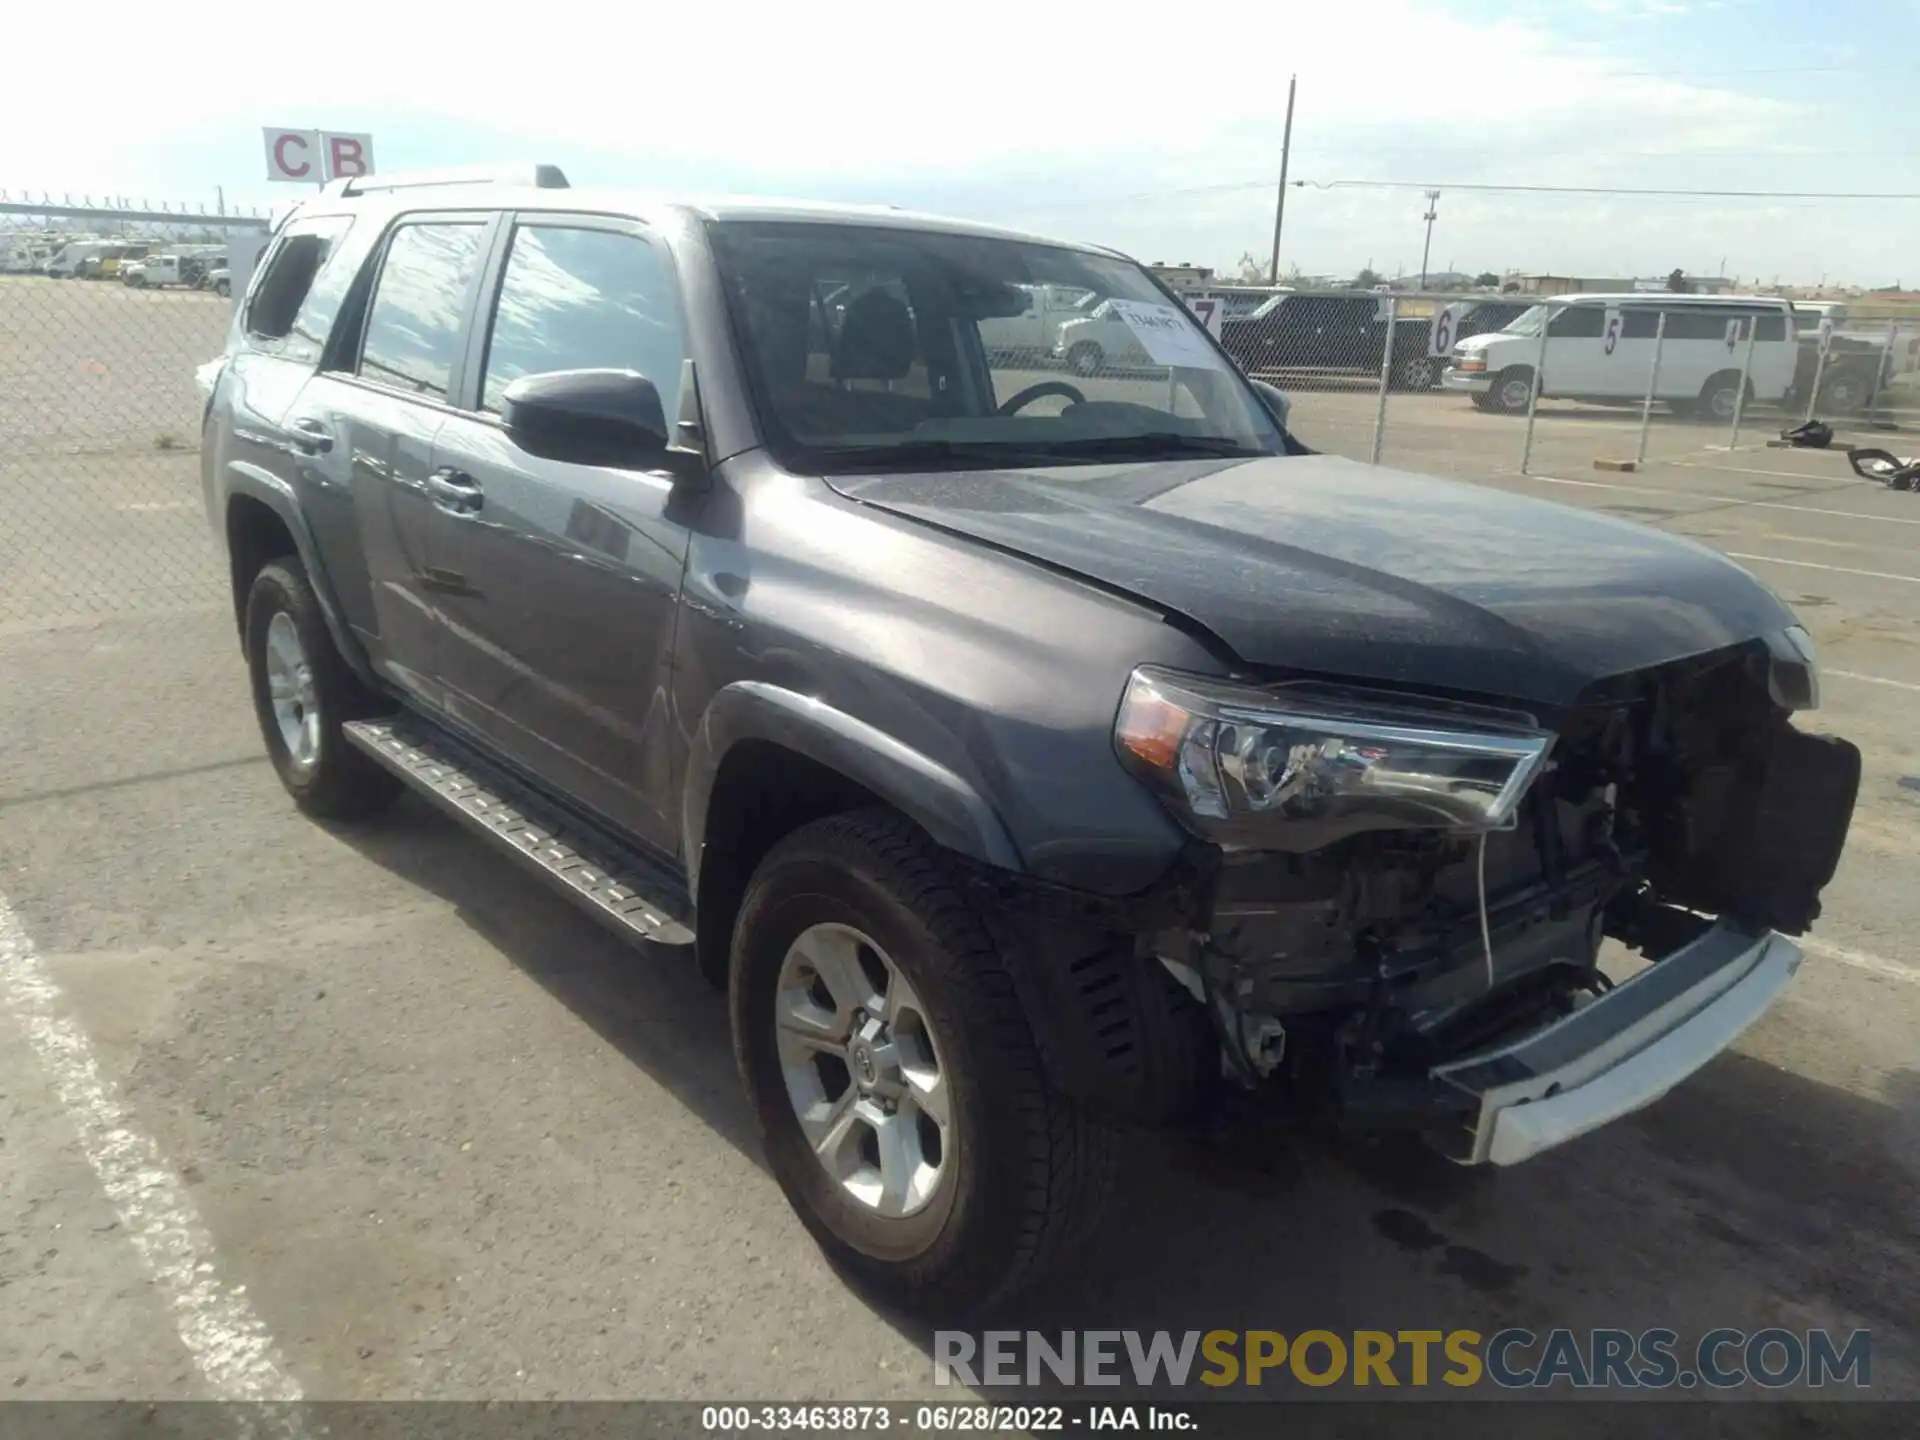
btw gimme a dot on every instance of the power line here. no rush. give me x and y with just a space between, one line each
1689 193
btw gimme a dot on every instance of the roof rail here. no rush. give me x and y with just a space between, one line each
539 177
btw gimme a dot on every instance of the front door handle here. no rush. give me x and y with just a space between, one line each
310 437
455 491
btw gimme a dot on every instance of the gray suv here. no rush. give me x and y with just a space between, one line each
1028 755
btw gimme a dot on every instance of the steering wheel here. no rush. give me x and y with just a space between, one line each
1026 397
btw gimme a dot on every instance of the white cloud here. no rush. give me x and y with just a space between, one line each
1017 111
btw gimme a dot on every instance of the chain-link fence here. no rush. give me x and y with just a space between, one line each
100 509
104 316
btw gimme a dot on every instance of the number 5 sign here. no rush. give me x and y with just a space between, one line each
1440 335
1612 331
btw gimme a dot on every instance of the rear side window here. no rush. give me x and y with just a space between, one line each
412 337
278 306
580 299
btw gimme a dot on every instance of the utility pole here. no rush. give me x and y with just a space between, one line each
1280 200
1433 213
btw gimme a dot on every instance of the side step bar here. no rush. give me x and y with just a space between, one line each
614 884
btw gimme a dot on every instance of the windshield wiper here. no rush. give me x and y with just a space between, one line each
1153 445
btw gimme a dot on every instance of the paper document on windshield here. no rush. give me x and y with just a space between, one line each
1168 336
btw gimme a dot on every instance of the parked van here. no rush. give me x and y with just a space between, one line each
1600 348
66 264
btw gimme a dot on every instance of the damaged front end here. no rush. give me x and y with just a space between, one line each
1407 919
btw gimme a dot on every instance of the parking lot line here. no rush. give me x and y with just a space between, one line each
1837 480
1813 565
1714 499
1870 679
1860 960
227 1340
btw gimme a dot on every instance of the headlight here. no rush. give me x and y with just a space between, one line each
1469 363
1300 766
1793 676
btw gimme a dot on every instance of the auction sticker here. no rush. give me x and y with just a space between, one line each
1168 336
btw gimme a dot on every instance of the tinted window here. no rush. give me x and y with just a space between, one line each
413 326
1578 322
1639 324
288 278
1710 323
576 299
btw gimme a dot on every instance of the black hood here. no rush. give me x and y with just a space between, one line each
1324 565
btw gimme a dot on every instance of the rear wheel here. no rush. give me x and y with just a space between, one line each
1846 392
1512 389
897 1084
1720 397
303 692
1416 372
1086 358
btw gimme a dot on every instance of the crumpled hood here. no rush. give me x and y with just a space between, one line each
1326 566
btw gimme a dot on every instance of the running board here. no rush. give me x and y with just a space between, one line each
601 876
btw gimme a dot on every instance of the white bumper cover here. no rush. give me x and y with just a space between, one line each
1624 1050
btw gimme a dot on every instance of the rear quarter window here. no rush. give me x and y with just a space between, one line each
291 309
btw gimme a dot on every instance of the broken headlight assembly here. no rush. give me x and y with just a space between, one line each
1296 767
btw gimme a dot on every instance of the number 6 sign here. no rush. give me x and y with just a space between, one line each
1446 320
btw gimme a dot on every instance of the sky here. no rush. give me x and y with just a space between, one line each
1153 129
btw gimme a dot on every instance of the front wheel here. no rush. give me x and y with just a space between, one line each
222 288
897 1085
302 693
1086 358
1512 390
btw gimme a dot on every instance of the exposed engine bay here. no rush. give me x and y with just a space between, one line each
1672 800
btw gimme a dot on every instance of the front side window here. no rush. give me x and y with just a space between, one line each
1578 322
580 299
870 345
413 325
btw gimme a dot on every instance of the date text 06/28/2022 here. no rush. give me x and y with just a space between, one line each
1514 1358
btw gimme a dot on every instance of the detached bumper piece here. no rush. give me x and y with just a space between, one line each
1620 1052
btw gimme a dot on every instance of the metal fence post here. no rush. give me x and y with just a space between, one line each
1880 370
1653 386
1386 376
1746 368
1539 382
1819 378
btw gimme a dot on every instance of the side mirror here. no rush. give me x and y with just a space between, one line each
587 417
1275 400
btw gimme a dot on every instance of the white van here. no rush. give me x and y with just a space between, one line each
66 264
1600 348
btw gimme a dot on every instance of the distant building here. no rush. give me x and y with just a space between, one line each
1567 285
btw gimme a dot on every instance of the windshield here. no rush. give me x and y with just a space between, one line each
1527 322
871 346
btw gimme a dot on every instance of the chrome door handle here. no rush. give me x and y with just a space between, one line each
310 437
455 490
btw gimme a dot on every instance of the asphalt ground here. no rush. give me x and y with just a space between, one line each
362 1113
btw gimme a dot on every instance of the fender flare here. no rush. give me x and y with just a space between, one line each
274 493
930 794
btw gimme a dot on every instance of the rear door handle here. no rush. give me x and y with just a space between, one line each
455 491
310 437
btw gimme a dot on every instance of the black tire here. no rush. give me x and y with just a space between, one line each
1086 358
1719 397
1511 390
1416 372
1845 393
1033 1170
342 783
222 288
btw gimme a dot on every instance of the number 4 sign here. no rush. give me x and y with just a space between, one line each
1736 332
